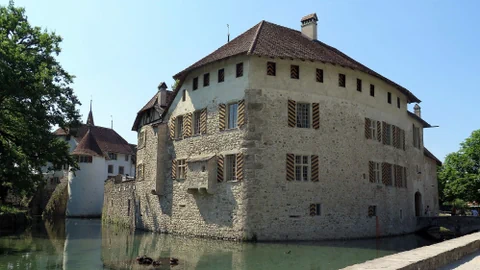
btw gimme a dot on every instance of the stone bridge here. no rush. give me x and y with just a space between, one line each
460 225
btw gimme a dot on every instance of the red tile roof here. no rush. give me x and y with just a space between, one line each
271 40
88 146
107 139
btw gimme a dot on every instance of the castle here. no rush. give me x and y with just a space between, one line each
278 136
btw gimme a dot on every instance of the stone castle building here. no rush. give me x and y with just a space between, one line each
278 136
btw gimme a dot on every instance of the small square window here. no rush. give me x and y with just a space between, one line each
231 166
195 83
221 75
372 210
239 70
341 80
319 75
110 169
294 72
359 85
271 68
398 102
372 90
184 95
389 98
206 79
121 170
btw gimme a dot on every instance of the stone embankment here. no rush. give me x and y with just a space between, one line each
428 257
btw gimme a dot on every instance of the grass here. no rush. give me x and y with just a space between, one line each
8 209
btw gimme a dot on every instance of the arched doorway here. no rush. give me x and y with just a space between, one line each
418 204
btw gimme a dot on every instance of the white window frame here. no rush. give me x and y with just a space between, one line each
377 172
301 122
232 120
196 122
231 167
373 129
179 127
181 168
302 163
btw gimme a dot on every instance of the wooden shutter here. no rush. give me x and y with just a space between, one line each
379 131
403 139
384 132
385 173
316 115
368 134
187 125
405 177
239 171
172 127
313 209
292 108
314 172
203 121
241 113
221 116
395 136
290 167
174 169
371 173
220 160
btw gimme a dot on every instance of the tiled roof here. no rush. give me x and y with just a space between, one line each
150 104
430 155
107 139
271 40
419 119
88 146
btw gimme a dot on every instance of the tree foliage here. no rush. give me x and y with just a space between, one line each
35 96
459 177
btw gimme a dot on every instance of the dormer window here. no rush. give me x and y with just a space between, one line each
84 159
112 156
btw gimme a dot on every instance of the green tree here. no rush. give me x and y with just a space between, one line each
35 96
459 177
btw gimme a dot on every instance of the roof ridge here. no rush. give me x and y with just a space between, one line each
255 38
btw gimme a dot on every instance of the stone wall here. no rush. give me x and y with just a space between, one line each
119 204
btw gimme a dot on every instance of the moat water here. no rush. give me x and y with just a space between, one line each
86 244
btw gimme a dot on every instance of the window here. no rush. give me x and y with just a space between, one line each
221 75
416 137
315 209
359 85
184 95
112 156
84 159
179 127
294 72
372 210
126 157
121 170
232 115
373 129
303 115
398 102
372 90
206 79
181 168
239 70
389 136
271 69
319 75
231 167
377 172
389 98
341 80
140 171
110 169
302 168
195 83
141 139
196 122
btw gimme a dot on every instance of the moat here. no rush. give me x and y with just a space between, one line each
86 244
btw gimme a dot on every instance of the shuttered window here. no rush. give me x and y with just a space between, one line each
231 167
271 68
341 80
303 115
319 75
187 125
232 115
181 169
179 127
299 114
294 72
220 163
302 168
203 121
196 122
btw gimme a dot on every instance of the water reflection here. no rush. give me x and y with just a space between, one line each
85 244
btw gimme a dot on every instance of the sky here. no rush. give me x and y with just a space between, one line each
121 50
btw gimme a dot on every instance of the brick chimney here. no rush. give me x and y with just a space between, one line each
309 26
417 110
162 95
